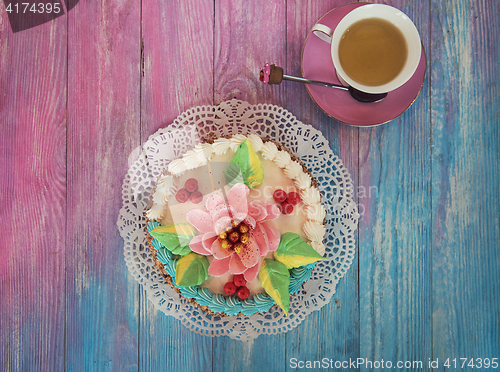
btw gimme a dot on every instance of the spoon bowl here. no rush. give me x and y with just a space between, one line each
366 97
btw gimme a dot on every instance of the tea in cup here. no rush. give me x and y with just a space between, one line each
375 48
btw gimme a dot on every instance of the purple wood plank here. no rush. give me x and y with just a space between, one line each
395 232
340 319
103 128
177 74
33 196
247 35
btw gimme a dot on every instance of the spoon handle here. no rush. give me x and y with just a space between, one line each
315 82
272 74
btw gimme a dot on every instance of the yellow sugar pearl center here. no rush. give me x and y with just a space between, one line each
235 237
238 247
245 238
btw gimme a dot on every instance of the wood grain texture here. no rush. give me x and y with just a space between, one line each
301 17
177 74
340 319
465 179
78 95
177 60
395 241
238 58
103 128
248 35
167 345
32 196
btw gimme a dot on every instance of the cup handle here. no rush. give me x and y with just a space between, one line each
323 32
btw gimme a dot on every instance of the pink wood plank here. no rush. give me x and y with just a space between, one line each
32 196
247 35
177 60
103 128
177 74
301 17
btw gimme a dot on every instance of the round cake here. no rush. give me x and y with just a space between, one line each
236 225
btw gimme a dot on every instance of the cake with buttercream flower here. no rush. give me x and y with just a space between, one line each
236 225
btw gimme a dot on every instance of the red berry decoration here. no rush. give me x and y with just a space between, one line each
191 185
182 195
239 280
243 292
293 198
279 195
286 207
229 288
196 197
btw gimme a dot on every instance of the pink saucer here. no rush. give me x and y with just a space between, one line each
317 65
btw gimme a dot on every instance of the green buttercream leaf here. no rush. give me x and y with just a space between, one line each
175 237
245 165
293 251
233 175
191 270
275 279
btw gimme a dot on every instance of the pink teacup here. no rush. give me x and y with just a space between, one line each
372 12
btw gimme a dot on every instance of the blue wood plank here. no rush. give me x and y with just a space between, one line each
395 231
465 179
332 334
265 353
166 345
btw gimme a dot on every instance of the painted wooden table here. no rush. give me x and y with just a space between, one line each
79 94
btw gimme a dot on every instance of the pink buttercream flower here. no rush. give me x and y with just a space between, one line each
237 215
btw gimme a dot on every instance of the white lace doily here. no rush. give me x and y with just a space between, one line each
229 118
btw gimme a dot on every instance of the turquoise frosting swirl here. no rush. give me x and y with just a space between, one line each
219 303
231 305
302 274
263 302
204 297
